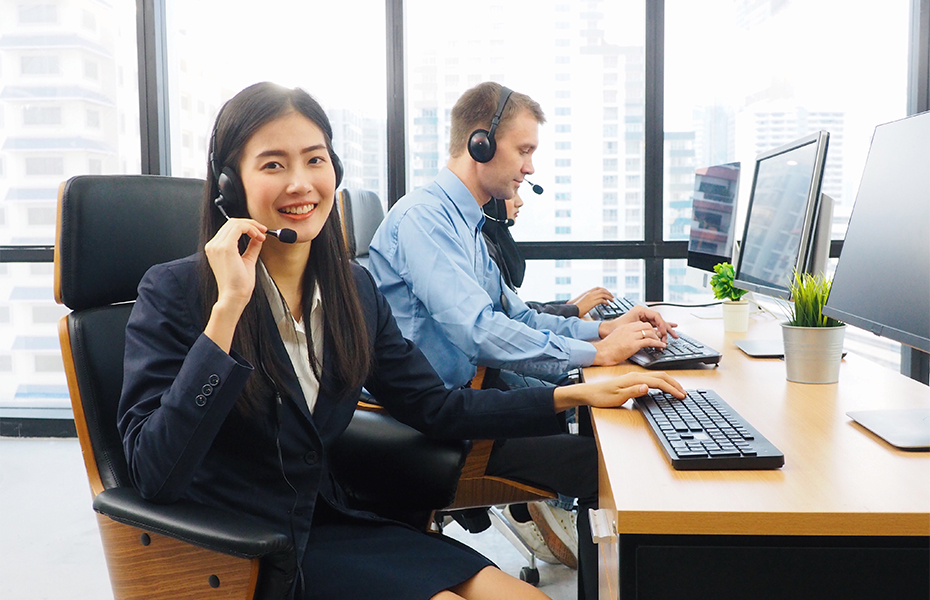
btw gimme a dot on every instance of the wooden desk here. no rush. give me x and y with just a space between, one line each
839 480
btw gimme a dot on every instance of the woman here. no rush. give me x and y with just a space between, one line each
198 423
500 216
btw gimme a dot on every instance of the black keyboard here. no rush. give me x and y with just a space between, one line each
611 310
681 353
702 432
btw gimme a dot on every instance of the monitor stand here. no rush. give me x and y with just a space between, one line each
773 348
907 429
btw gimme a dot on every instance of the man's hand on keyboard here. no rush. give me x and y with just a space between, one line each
615 392
625 340
640 315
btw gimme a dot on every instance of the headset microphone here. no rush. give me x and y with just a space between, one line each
536 188
285 236
507 222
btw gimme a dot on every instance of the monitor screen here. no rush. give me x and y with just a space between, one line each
882 280
782 217
713 212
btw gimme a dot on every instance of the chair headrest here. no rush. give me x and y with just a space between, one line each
363 214
127 223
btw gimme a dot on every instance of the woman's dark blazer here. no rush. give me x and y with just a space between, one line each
184 440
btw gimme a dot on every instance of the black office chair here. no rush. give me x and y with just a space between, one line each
361 213
111 229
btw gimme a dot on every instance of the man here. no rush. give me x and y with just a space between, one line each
430 260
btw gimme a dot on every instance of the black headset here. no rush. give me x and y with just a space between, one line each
481 143
232 192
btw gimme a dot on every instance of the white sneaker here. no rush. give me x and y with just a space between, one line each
531 537
559 529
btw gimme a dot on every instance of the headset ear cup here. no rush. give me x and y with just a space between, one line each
481 146
339 169
232 193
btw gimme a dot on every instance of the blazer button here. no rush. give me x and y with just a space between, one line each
206 390
311 457
200 400
214 380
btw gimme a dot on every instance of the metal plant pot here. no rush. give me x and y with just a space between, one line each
813 354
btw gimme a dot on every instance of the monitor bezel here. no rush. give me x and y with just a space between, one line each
805 257
705 261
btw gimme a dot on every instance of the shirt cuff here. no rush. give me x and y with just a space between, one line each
581 353
588 330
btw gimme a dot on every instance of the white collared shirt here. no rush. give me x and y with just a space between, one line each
294 336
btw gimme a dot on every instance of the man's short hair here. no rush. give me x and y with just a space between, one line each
476 107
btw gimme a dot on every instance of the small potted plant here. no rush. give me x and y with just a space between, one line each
735 309
813 341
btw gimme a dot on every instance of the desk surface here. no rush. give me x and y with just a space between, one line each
838 478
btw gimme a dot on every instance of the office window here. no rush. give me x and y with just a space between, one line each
800 64
563 214
92 119
42 115
566 179
45 48
37 166
89 20
563 162
38 14
563 280
563 196
39 65
600 40
563 263
345 73
563 230
610 282
91 70
41 216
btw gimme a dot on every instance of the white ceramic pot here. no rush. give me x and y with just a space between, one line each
735 316
813 354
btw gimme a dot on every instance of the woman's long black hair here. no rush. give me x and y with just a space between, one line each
328 267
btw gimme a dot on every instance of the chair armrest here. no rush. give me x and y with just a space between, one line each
213 529
381 462
204 526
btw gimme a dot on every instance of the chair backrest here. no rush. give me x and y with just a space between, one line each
111 229
361 213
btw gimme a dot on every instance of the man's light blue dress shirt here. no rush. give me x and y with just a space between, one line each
430 260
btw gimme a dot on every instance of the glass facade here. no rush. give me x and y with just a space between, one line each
733 86
69 105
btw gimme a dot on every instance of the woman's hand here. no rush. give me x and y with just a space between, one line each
625 340
616 391
593 297
235 276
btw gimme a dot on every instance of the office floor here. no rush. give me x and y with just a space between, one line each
50 548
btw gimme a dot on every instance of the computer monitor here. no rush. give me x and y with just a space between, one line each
788 219
882 279
713 213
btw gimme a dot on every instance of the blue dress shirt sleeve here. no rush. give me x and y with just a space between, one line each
444 277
